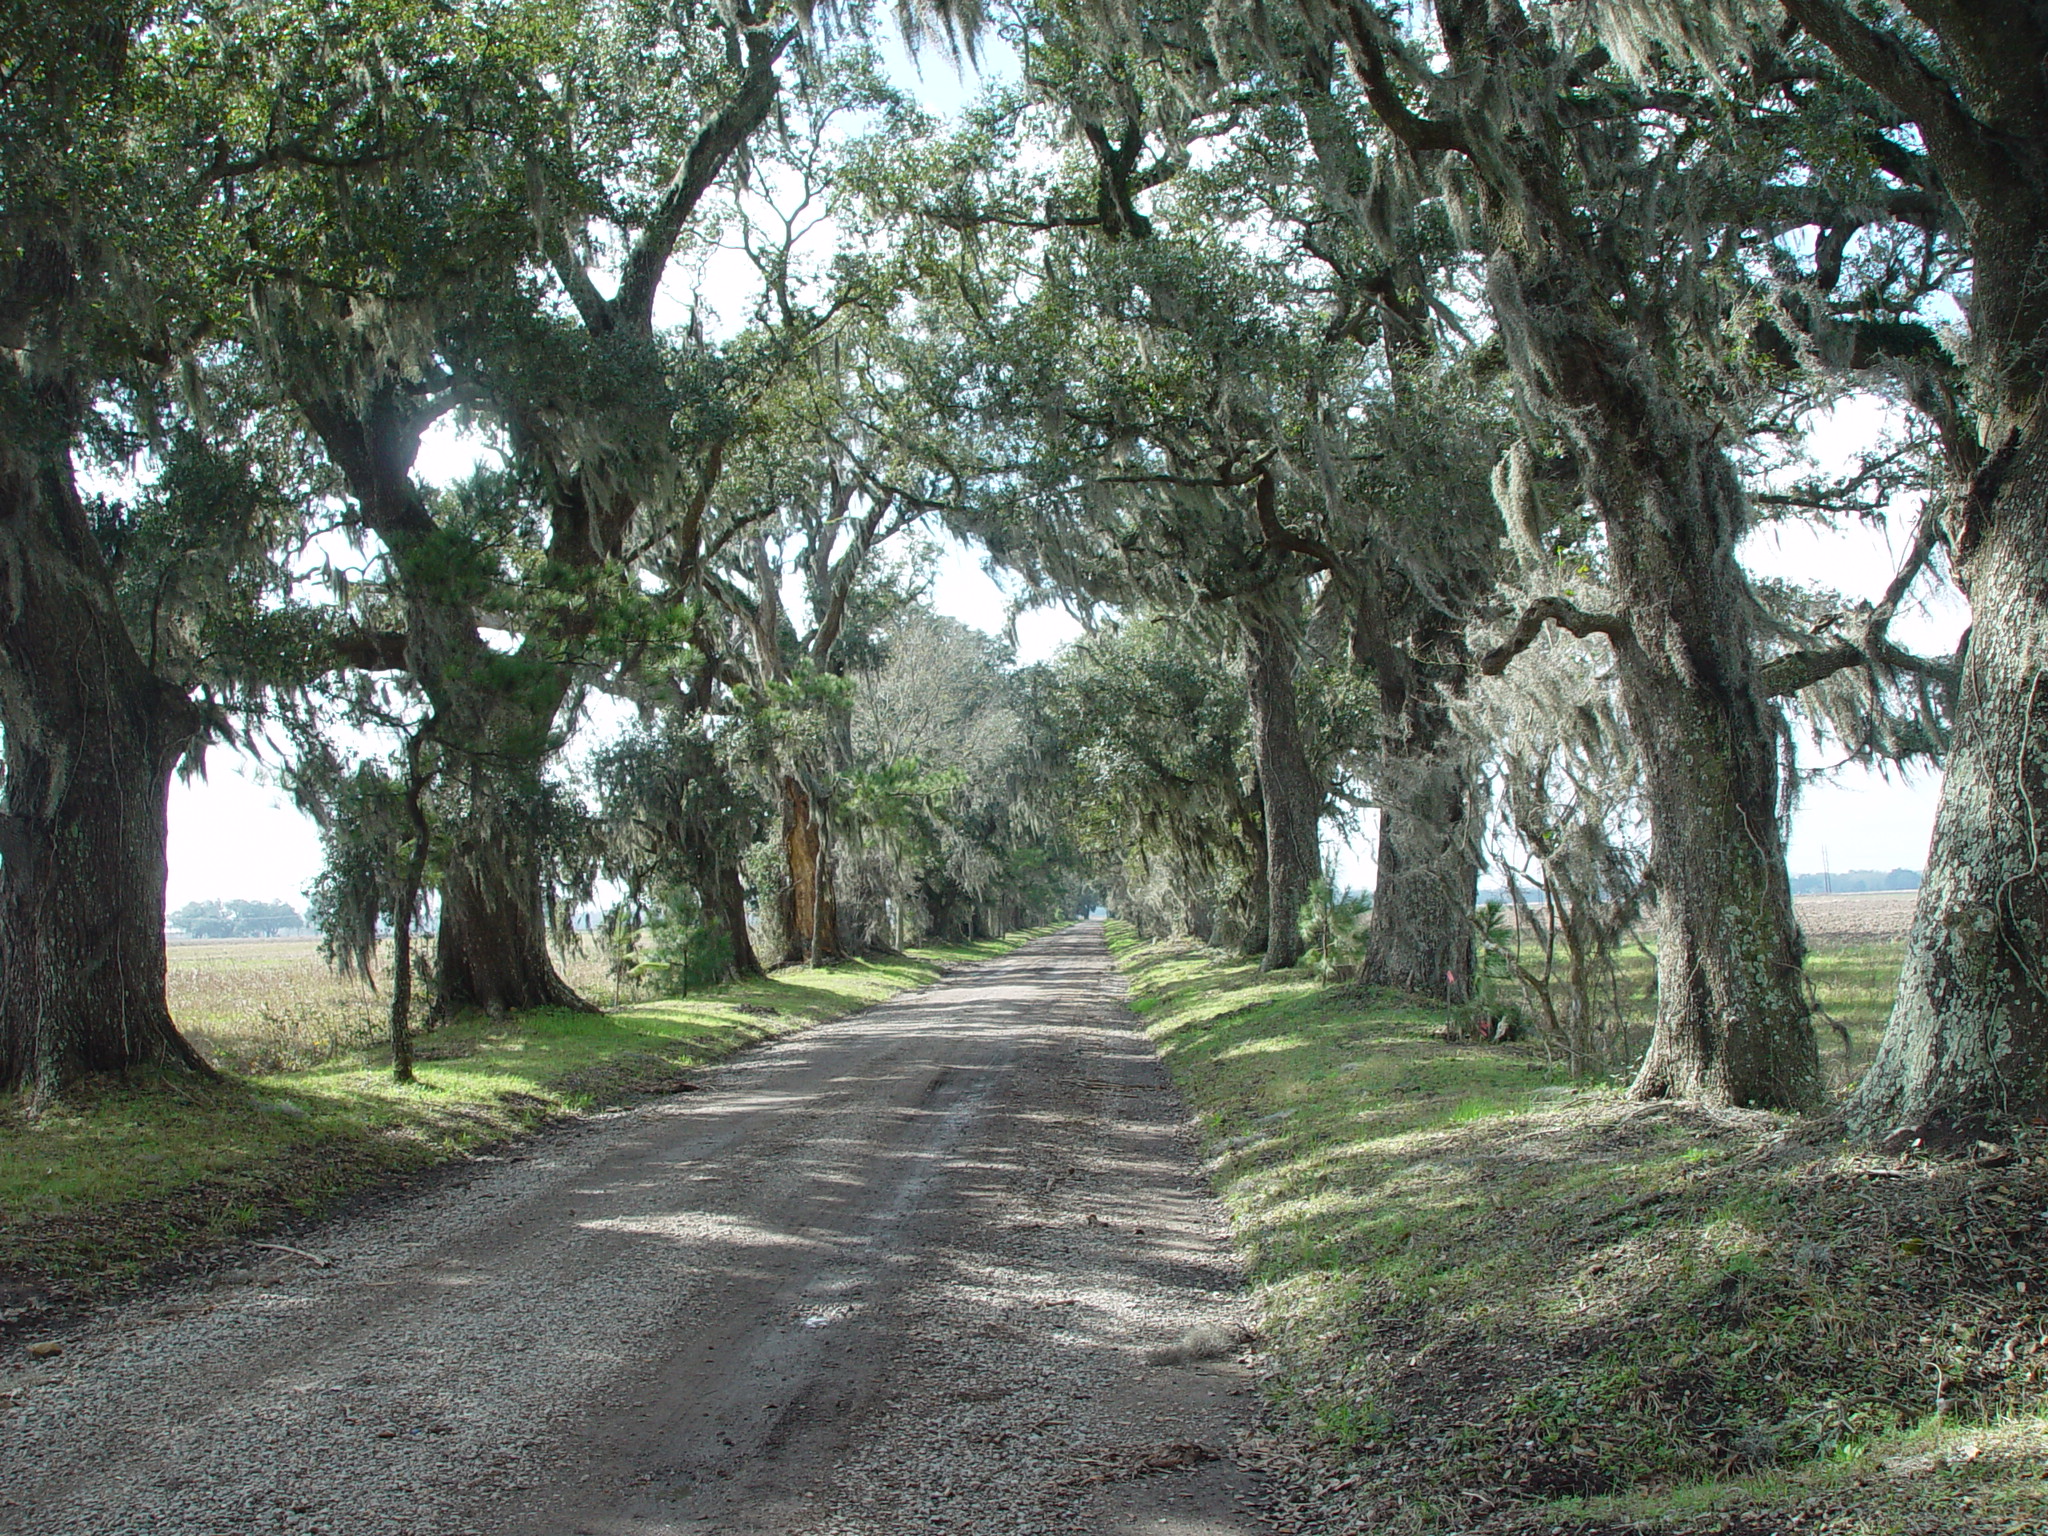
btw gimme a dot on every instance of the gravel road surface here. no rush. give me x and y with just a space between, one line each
939 1267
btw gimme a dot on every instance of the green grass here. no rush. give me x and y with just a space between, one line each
116 1179
1503 1302
1852 985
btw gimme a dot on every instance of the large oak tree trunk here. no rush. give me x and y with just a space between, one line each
1966 1051
92 738
492 949
1291 797
1967 1046
1427 881
1733 1025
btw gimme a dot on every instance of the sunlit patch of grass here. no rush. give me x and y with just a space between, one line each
115 1178
273 1005
1852 986
1477 1276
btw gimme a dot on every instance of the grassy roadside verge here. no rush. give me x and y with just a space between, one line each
121 1181
1494 1302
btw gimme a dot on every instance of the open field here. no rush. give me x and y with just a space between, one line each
1862 917
273 1005
115 1180
1497 1302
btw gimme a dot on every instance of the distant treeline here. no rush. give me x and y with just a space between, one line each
1842 883
1851 880
236 919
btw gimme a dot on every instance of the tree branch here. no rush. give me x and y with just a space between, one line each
1960 146
1565 615
1265 497
720 139
371 650
1369 64
1788 674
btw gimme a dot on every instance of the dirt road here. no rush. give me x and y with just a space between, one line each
901 1273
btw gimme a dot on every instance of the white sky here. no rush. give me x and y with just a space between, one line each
235 835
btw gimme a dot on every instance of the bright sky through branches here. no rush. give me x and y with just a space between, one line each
235 835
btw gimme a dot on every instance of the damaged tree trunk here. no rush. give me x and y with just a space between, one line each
92 737
811 917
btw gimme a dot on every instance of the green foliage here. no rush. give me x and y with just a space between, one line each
235 919
678 948
1335 924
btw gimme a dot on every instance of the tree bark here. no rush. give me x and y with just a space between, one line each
1733 1025
1966 1051
1427 881
811 926
1426 887
1256 898
728 900
492 951
92 737
1291 798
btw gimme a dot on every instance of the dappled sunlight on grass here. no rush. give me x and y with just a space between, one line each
1269 1047
1477 1275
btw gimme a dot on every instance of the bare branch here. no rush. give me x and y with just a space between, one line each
1564 614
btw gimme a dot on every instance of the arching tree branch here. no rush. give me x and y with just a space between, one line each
1564 614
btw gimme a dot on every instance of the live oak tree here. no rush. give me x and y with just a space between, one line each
1407 415
460 268
1568 178
1119 423
1949 145
1152 739
817 525
1334 372
135 616
676 812
1967 1044
959 830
